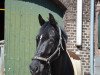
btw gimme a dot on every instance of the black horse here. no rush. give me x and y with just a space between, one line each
51 57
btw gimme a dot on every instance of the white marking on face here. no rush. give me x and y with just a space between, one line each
41 37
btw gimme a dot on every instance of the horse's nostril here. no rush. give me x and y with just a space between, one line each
36 69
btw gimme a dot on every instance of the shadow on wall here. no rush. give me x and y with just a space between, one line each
49 5
86 73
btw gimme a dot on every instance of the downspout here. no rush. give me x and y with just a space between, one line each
92 37
79 24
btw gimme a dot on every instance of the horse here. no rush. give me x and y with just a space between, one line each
51 57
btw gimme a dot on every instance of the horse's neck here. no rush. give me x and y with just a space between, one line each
62 65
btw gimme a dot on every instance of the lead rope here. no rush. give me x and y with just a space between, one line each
49 67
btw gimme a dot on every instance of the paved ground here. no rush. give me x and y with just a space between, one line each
97 65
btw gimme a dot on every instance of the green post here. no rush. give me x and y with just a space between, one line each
21 28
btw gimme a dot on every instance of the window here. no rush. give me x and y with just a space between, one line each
99 31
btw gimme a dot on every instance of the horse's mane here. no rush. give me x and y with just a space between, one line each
64 35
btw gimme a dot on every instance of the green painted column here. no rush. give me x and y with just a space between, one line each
21 28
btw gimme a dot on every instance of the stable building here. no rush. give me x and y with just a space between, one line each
20 25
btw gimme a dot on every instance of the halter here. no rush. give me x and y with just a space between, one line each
58 49
51 56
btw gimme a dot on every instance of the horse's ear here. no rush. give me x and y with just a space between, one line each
52 19
41 20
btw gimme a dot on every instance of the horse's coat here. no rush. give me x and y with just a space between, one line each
76 63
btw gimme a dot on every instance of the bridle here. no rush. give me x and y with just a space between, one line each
47 60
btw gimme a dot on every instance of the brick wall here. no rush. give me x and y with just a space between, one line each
70 28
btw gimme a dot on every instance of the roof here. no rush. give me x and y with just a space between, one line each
59 4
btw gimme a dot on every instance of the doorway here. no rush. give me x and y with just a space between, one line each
2 11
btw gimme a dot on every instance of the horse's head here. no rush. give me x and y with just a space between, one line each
49 42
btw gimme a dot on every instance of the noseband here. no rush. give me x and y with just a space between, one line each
47 60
